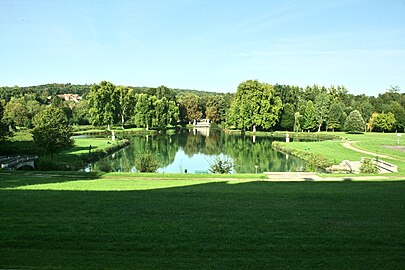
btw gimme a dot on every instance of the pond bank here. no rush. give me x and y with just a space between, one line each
84 151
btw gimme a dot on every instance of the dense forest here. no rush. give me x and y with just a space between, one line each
255 105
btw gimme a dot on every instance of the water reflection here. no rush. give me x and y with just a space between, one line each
195 149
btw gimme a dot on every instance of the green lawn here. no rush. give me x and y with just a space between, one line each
82 145
331 150
110 221
372 142
375 142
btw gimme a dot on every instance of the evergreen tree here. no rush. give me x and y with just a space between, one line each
288 117
336 115
309 116
354 122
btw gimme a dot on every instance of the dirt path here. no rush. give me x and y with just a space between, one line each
349 145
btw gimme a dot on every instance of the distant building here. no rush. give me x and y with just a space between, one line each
70 97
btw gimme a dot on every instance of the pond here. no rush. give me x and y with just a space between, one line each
196 149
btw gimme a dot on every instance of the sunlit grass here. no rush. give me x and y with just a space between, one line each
331 150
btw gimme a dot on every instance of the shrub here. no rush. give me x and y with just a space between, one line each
221 166
49 164
146 162
103 166
367 166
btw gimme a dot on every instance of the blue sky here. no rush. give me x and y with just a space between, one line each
205 45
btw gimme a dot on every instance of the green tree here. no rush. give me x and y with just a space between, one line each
354 122
254 105
213 108
126 97
365 108
310 121
399 112
52 131
322 102
297 122
4 129
143 111
104 104
288 117
336 116
160 115
163 91
192 107
385 121
80 113
20 111
173 113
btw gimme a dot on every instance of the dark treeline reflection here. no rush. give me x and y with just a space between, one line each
247 153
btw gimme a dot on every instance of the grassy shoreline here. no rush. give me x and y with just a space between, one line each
334 152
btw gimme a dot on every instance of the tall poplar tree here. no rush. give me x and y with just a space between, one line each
309 116
322 102
104 104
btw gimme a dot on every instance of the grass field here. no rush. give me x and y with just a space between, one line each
331 150
72 220
372 142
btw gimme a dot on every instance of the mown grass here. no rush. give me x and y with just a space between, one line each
375 142
331 150
80 154
187 224
21 144
372 142
82 145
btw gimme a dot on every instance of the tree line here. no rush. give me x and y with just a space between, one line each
255 105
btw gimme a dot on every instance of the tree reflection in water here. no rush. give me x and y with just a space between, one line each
196 149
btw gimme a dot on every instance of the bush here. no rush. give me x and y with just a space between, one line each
221 166
146 162
49 164
367 166
103 166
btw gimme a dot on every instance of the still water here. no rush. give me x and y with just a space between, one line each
195 149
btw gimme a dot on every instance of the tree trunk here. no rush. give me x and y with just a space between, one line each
122 119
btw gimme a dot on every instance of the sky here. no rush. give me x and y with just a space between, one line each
204 44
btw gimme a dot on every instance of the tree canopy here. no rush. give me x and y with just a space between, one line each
254 105
51 129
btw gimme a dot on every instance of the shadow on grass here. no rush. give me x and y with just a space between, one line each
21 148
22 178
219 225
